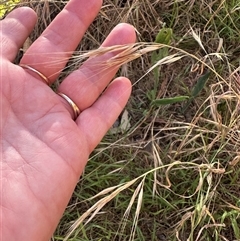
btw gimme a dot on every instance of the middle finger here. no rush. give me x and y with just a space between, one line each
85 85
51 51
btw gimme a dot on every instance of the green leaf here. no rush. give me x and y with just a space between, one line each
164 36
200 84
197 89
167 101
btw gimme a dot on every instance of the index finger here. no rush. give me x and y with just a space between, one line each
61 37
14 30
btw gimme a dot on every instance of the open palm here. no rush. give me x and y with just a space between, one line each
43 150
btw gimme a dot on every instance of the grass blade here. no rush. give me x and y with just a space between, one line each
167 101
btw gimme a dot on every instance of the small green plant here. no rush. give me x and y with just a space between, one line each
163 37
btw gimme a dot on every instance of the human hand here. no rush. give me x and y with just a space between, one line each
43 150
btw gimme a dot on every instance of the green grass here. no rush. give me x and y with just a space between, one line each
175 174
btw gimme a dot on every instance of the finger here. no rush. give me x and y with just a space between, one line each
14 30
95 121
51 51
85 85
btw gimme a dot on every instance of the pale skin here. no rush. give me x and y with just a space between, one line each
43 150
